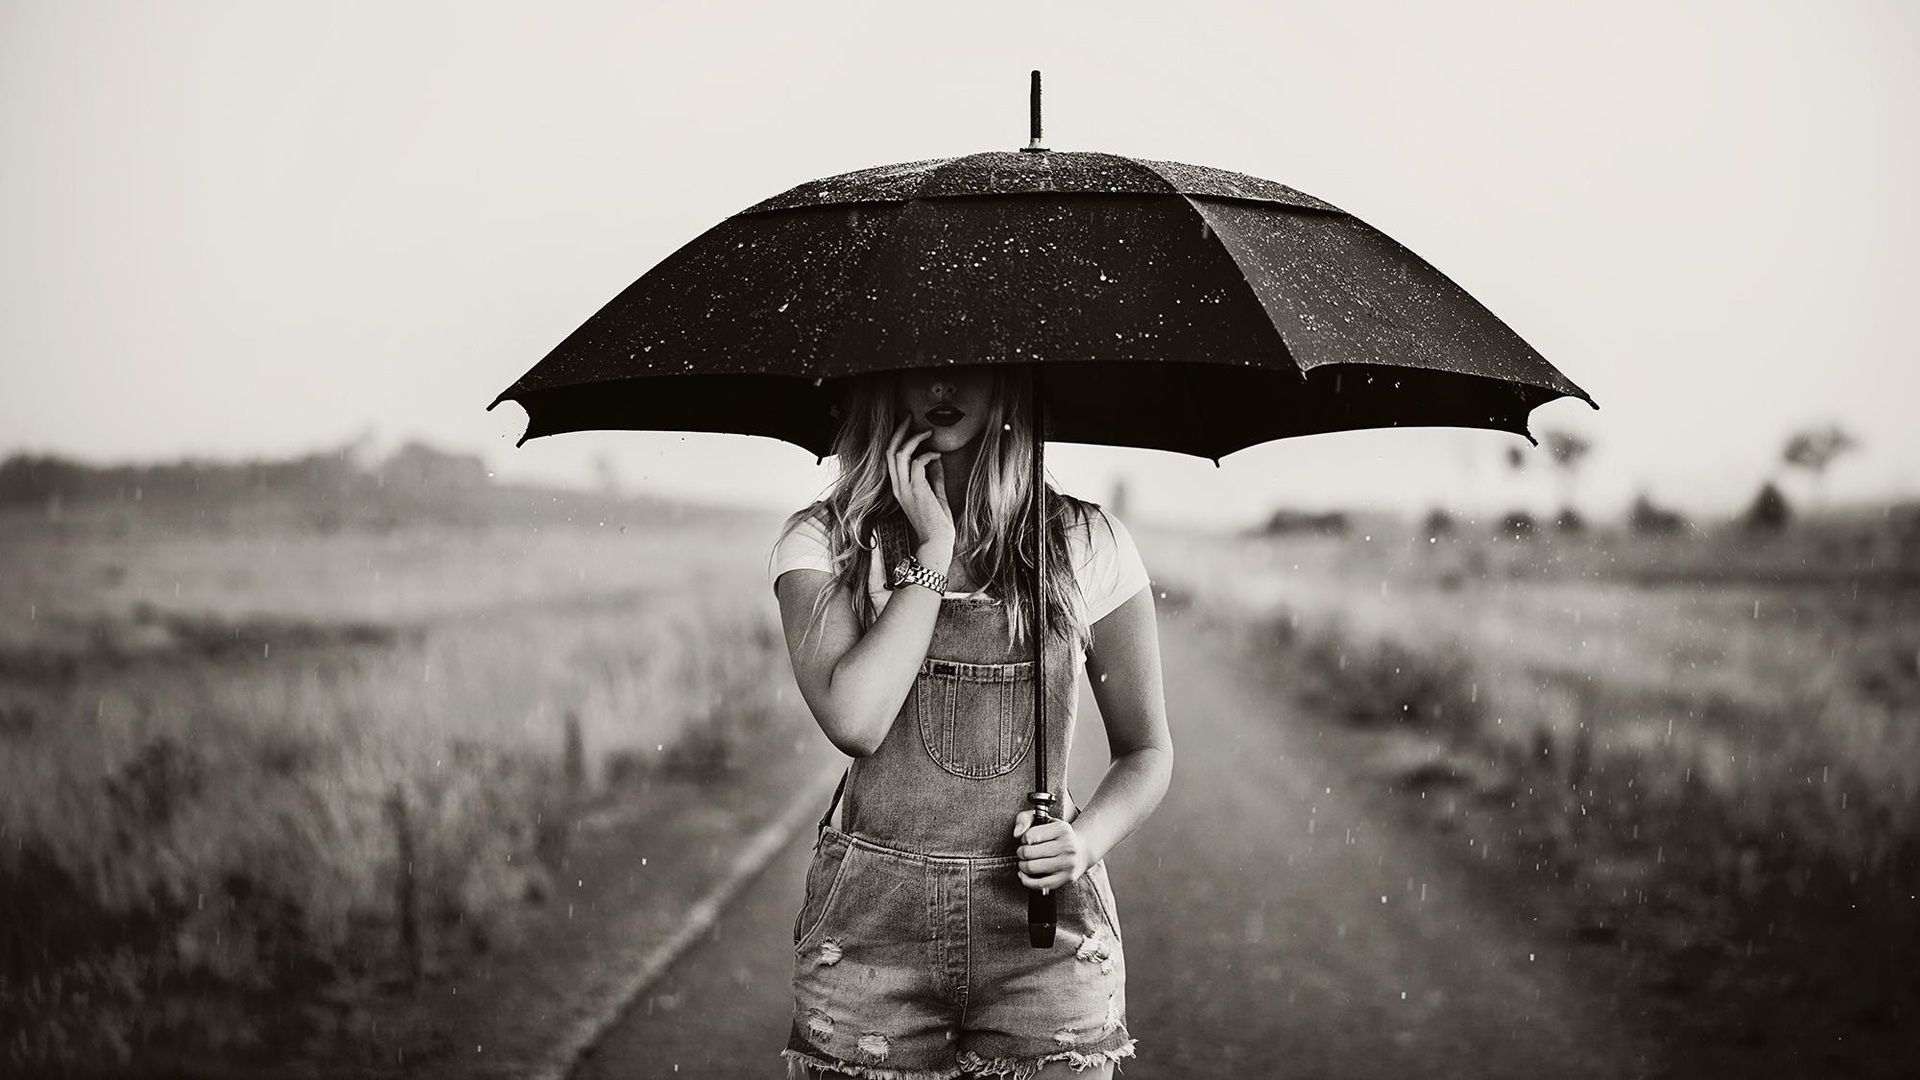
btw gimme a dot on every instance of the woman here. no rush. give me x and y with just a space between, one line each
908 629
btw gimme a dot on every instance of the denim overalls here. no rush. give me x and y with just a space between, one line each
911 959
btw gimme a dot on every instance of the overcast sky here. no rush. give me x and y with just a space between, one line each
245 228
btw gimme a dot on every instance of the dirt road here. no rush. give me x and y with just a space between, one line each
1277 921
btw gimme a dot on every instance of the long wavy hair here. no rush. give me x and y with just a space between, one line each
997 520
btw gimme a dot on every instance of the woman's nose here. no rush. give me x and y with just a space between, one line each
943 389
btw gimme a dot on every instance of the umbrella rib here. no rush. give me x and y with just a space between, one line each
1241 272
1193 411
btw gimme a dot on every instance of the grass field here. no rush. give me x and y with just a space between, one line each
259 747
264 747
1713 738
1769 668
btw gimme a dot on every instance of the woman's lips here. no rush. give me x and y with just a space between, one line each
944 416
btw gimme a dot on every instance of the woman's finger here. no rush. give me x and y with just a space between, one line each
1041 849
1047 871
903 459
1043 867
918 470
1047 830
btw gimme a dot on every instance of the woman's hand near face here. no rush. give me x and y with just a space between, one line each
921 488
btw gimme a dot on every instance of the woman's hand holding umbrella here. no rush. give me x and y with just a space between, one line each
1051 854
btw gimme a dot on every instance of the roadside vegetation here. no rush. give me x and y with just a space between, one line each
273 746
1709 733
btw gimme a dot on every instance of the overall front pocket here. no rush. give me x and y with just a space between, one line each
824 877
976 720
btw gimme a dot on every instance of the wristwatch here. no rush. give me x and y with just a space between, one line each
911 571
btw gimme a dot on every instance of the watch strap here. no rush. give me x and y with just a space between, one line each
911 571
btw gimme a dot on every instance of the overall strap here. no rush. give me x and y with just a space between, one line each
821 831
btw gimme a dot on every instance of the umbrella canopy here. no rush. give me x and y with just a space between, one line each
1154 304
1176 307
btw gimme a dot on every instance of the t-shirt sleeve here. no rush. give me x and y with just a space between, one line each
1114 571
804 547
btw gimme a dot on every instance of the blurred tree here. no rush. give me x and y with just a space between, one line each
1438 522
416 464
1518 524
1646 517
1567 450
1813 450
606 475
1768 512
1527 487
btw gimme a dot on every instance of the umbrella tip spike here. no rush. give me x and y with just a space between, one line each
523 439
1033 110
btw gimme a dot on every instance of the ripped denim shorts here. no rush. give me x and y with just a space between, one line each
910 966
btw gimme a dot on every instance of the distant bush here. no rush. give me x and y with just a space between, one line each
1769 511
38 478
1386 682
1570 521
1645 517
1517 524
1438 522
1290 521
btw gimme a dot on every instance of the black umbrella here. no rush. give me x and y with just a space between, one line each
1170 306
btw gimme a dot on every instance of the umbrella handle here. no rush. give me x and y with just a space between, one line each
1040 902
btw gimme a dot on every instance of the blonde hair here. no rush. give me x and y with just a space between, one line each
998 515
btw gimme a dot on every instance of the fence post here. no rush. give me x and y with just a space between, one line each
406 897
574 756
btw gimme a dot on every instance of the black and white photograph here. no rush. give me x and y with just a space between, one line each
610 541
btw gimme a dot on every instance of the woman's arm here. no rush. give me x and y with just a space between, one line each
856 684
1124 671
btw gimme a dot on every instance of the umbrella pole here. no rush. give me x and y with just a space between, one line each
1040 902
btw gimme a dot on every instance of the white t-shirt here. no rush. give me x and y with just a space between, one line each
1106 564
